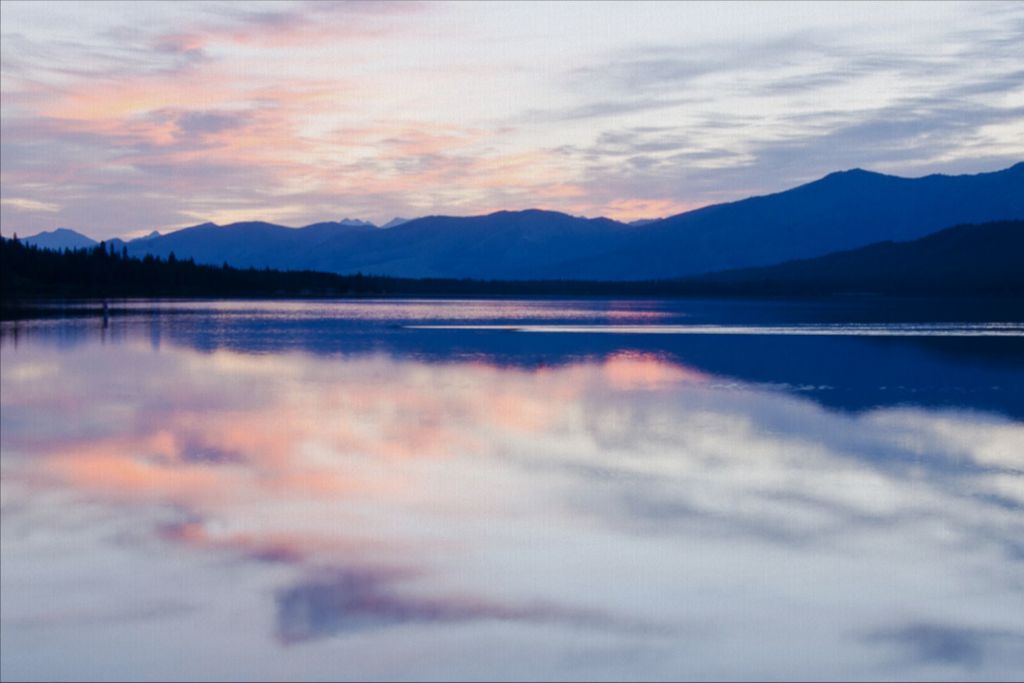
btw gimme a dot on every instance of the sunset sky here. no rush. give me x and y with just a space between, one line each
121 118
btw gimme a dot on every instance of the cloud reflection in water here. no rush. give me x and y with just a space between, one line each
340 602
626 494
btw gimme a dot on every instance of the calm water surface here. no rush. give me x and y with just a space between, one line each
509 490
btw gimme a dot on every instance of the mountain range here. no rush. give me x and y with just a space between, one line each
841 211
965 260
61 238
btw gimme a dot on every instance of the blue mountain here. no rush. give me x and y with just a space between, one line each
251 244
966 260
61 238
841 211
357 223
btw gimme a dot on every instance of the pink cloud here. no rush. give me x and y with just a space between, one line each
300 24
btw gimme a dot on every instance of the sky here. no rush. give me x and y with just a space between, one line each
122 118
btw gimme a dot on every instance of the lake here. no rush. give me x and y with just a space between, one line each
544 489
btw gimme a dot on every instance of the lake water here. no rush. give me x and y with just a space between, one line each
513 490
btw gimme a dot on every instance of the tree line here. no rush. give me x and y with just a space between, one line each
105 272
968 260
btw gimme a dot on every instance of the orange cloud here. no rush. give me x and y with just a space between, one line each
635 209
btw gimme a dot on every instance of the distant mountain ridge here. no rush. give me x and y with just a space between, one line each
61 238
843 210
356 222
965 260
840 211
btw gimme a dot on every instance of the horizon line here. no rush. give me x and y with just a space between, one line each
144 232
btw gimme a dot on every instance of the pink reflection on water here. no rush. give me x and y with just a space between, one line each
627 371
299 438
417 310
313 498
307 464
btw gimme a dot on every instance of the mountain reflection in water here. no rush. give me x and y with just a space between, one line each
300 490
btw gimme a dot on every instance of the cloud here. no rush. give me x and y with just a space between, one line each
30 204
150 116
921 136
655 69
746 113
948 644
78 617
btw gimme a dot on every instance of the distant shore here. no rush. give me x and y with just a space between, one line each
970 262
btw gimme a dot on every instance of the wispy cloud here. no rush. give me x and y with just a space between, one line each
153 115
30 204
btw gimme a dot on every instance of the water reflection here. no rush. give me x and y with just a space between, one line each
844 371
459 504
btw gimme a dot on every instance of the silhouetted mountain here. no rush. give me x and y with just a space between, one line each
356 223
523 244
967 260
840 211
61 238
527 244
249 244
394 222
